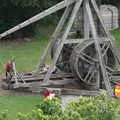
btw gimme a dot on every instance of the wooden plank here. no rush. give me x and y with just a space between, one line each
41 77
39 84
115 78
70 23
97 45
58 82
65 91
101 40
20 85
37 17
70 41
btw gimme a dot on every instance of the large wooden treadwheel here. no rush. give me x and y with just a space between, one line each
85 65
63 60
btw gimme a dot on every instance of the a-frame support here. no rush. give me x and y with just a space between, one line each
89 26
53 38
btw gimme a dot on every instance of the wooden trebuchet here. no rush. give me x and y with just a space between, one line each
89 58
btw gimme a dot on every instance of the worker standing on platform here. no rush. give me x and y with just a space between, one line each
9 68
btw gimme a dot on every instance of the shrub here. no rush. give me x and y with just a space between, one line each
4 115
50 107
37 115
86 108
93 108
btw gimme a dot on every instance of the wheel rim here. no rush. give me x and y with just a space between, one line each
85 65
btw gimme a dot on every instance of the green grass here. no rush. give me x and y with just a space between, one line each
116 34
26 54
15 104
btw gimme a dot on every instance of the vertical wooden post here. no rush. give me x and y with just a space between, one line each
98 49
15 73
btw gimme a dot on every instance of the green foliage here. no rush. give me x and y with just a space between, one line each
4 115
25 53
50 107
93 108
86 108
11 105
13 12
34 3
37 115
111 1
116 34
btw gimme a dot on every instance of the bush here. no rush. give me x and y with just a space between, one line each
93 108
86 108
50 107
4 115
37 115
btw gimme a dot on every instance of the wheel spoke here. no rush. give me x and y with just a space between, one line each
85 59
88 74
91 75
89 57
105 50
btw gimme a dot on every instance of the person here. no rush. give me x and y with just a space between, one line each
9 69
49 94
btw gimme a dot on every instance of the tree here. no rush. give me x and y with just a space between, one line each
13 12
111 1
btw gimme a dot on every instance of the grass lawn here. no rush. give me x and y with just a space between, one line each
26 54
15 104
116 34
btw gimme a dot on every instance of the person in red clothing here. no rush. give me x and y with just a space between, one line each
46 94
49 94
9 68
